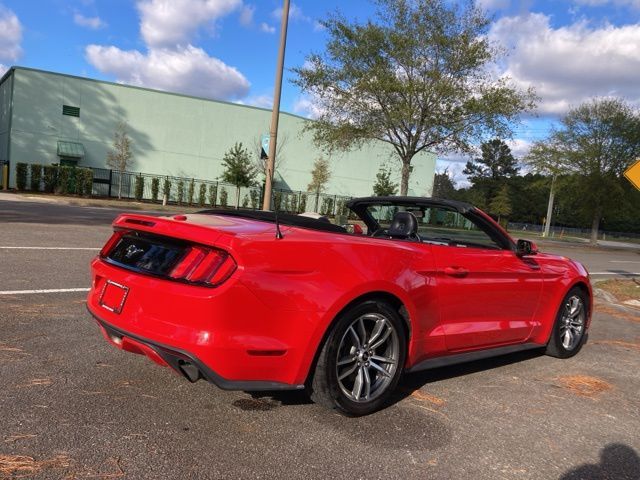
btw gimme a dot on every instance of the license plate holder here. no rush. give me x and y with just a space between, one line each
113 296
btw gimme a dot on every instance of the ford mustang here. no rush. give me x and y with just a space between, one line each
265 301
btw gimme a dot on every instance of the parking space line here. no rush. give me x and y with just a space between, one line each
614 273
52 290
48 248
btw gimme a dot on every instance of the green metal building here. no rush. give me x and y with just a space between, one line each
51 118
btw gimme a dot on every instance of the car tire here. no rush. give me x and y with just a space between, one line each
361 360
570 328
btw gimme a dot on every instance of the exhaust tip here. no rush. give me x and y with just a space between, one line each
189 370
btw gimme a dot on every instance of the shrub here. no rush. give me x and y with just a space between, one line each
294 203
224 197
277 200
180 191
139 187
202 194
21 176
166 189
85 181
36 176
245 201
155 188
213 194
191 191
255 198
327 206
303 203
50 178
64 180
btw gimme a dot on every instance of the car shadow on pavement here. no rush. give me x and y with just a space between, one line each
415 381
408 384
617 461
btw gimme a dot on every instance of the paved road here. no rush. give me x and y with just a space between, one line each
74 407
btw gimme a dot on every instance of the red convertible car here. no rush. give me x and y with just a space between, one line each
259 301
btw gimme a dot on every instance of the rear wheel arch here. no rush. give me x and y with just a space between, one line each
376 296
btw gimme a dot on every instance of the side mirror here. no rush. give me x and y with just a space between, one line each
525 247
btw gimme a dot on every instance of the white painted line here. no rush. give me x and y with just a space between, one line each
614 273
48 248
52 290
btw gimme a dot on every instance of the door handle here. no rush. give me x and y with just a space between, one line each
457 272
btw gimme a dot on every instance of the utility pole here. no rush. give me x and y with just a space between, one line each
275 113
552 195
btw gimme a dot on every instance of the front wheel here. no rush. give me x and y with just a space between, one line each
361 361
569 330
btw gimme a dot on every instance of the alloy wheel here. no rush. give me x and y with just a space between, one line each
367 357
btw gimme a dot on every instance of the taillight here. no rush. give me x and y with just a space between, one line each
112 242
204 265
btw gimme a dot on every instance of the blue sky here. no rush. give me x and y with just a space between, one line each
568 50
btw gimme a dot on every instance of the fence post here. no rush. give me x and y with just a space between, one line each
335 204
110 180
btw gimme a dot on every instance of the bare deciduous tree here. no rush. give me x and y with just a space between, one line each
120 156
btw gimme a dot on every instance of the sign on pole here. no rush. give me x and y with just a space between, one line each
264 141
633 174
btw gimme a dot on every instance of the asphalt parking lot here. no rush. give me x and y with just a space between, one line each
74 407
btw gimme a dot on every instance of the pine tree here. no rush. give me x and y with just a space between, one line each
239 170
384 187
501 203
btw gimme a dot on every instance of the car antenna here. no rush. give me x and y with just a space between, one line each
279 235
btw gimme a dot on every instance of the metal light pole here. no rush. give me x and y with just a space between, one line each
275 113
552 195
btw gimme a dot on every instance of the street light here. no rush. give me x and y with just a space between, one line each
275 113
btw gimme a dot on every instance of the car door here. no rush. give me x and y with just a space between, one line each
487 296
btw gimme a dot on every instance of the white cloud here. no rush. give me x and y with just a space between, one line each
10 35
94 23
318 27
266 28
306 107
166 23
598 3
246 15
186 70
295 14
3 69
492 5
171 62
570 64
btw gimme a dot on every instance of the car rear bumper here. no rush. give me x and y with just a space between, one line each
184 363
225 335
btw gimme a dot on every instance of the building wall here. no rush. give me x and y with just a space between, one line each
5 115
180 135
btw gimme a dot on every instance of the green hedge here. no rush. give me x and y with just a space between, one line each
21 176
50 178
155 188
139 187
36 176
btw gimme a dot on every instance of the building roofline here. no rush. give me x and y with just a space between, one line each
124 85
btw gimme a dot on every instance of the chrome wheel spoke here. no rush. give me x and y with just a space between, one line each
377 330
356 339
367 383
347 372
380 359
347 360
380 369
381 340
363 331
357 385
